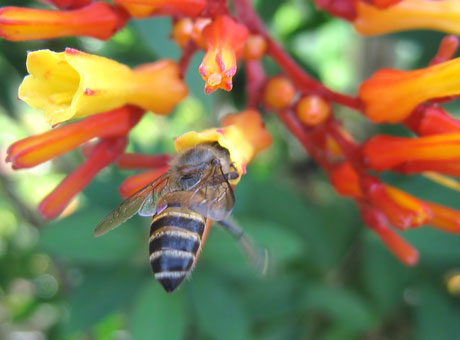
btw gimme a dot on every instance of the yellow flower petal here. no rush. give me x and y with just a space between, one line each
73 84
229 137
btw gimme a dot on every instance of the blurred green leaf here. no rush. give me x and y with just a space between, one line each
72 238
384 277
434 316
218 311
103 291
346 308
158 315
155 33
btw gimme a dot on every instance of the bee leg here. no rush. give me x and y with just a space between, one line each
257 256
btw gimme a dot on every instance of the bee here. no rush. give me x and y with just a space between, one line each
195 190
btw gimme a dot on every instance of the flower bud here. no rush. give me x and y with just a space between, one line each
255 48
313 110
279 92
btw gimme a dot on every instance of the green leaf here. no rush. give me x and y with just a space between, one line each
342 305
103 291
155 32
384 277
72 238
219 311
158 315
434 317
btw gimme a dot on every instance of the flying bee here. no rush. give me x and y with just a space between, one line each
195 189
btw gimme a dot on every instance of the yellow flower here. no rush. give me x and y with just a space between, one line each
73 84
442 16
225 39
243 135
391 95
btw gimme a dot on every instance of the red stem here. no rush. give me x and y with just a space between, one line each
298 130
255 79
303 81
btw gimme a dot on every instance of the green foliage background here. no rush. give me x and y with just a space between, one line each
330 277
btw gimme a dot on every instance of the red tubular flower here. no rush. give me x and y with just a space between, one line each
136 182
391 95
34 150
401 209
104 153
98 20
385 3
397 245
346 181
444 218
433 152
140 161
447 49
225 39
143 8
431 120
67 4
345 9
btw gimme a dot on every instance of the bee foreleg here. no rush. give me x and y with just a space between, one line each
257 256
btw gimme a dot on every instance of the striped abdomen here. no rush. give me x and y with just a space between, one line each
175 242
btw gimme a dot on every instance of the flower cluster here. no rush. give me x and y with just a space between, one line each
111 98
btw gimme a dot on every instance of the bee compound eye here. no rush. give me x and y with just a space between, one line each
215 161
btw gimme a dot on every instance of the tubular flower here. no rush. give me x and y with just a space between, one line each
73 84
34 150
385 3
391 95
430 120
144 8
67 4
429 153
111 128
98 20
243 135
398 246
224 39
400 209
136 182
442 16
105 152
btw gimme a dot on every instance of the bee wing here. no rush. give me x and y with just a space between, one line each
143 201
213 197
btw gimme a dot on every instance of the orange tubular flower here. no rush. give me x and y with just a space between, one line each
430 120
67 4
105 152
391 95
385 3
134 183
442 16
98 20
74 84
140 161
225 39
346 181
397 245
435 151
243 135
34 150
144 8
401 209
